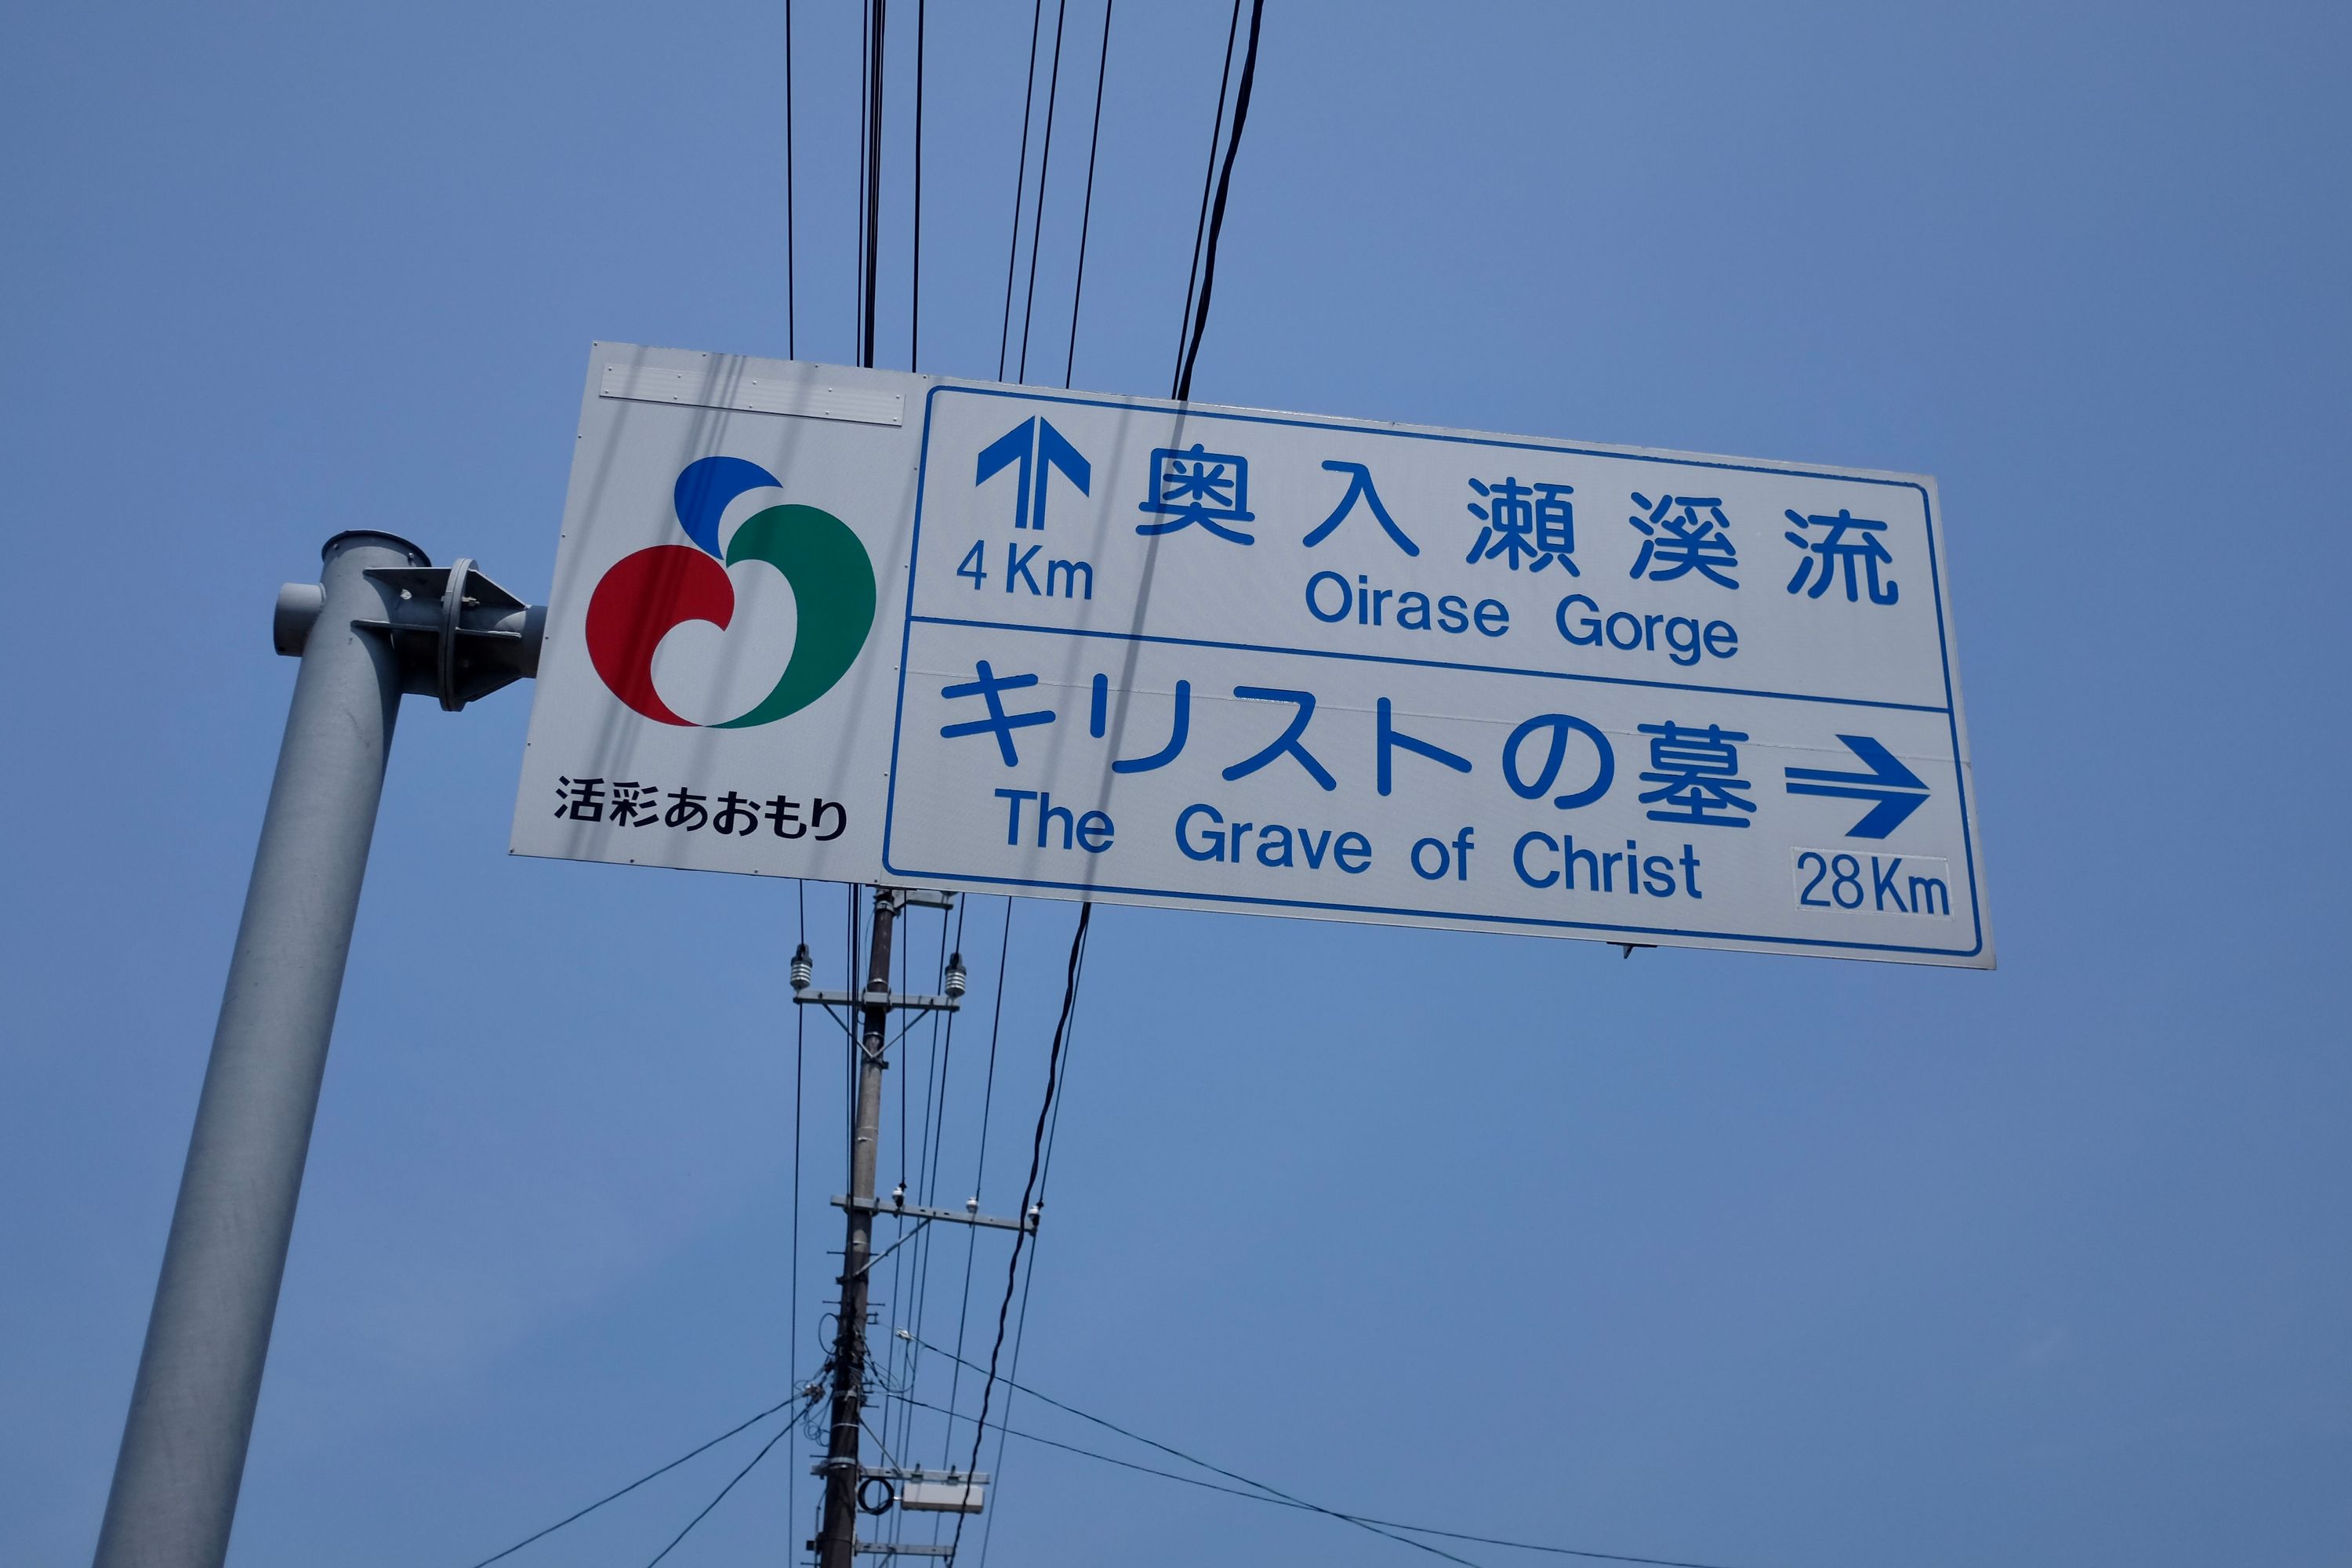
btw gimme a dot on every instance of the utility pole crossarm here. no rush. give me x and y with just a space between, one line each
896 1002
918 1211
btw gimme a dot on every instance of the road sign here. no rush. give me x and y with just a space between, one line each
864 625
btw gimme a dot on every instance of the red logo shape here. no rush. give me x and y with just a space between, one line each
639 602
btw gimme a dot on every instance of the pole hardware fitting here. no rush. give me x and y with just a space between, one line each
453 634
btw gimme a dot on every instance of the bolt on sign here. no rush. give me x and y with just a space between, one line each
862 626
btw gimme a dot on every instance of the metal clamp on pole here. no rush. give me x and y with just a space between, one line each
454 634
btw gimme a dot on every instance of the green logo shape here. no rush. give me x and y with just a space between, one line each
833 590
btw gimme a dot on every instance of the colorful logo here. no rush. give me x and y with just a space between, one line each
648 594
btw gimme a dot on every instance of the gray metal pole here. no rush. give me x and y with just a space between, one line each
837 1539
183 1456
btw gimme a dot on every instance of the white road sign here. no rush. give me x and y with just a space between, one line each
866 626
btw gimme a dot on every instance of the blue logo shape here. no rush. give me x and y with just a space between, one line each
704 487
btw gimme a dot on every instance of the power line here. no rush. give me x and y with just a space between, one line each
1029 1285
898 1252
915 289
1028 1187
1265 1493
1225 189
714 1502
1277 1501
855 983
1045 169
1086 214
877 32
987 1100
942 1062
792 266
641 1480
1207 175
864 114
911 1274
1020 185
934 1127
800 1078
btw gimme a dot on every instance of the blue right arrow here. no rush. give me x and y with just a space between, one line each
1898 790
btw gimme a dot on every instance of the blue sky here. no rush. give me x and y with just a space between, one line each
1748 1260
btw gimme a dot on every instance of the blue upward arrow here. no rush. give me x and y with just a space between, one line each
1040 449
1898 790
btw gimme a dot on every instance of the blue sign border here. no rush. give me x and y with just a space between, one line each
1240 901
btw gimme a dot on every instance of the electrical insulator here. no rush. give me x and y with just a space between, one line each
957 980
804 971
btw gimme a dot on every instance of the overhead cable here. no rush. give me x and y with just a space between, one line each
791 267
1208 179
641 1480
1045 169
800 1078
878 31
915 288
1029 1187
1277 1501
1262 1492
1217 215
1045 1176
1020 185
934 1125
714 1502
987 1101
1087 213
